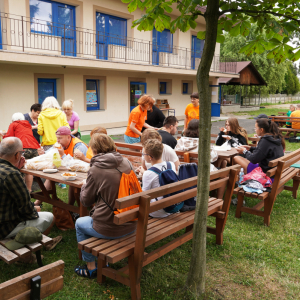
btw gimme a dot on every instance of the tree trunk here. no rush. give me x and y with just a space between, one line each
196 277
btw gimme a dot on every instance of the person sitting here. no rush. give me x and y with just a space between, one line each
101 189
32 118
72 117
89 154
16 210
49 120
271 146
168 153
292 109
190 140
155 118
152 152
21 129
296 114
169 129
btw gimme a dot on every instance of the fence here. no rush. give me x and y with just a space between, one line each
18 33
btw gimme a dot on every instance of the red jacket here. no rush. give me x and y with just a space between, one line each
23 131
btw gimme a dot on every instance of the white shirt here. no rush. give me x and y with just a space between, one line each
168 154
151 181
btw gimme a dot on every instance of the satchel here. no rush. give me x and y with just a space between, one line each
63 218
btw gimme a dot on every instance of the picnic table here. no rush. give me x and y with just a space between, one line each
44 194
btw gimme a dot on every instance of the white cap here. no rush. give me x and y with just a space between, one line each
242 169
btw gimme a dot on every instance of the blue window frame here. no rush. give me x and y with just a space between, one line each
54 18
137 89
185 88
162 87
0 33
110 30
197 49
92 95
161 42
46 88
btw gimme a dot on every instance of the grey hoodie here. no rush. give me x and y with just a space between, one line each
104 178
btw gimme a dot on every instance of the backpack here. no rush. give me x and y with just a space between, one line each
187 171
129 185
168 176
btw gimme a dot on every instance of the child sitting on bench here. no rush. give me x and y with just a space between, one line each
153 150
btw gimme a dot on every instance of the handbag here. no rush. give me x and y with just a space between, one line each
63 218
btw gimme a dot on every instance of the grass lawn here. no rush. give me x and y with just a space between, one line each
267 111
255 261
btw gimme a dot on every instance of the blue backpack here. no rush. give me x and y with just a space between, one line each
168 176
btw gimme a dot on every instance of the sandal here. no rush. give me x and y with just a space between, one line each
83 271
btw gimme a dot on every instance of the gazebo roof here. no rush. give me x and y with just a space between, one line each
248 74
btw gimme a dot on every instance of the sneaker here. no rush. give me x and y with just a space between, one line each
63 186
234 201
55 241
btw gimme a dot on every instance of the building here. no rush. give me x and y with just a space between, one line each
88 51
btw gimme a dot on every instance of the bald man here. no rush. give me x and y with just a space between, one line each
16 209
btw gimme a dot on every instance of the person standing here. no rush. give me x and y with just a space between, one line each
49 120
32 118
72 117
137 119
169 129
155 117
192 110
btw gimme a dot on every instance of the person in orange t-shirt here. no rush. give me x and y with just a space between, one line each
137 119
192 110
89 154
296 114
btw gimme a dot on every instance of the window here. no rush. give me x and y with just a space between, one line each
187 87
197 49
53 18
46 88
162 87
110 30
161 42
165 86
92 94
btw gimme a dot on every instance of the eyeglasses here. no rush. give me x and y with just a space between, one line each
226 125
147 154
22 152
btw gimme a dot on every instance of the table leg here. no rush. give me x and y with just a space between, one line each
39 258
83 210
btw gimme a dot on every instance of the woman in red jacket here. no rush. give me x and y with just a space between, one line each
21 129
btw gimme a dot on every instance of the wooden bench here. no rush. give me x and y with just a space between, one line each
281 120
282 172
12 256
152 230
41 283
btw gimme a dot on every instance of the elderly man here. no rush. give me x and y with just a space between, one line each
296 114
16 209
169 129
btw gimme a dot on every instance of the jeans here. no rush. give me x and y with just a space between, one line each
85 230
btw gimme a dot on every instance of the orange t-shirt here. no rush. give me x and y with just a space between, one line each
296 114
139 117
191 112
89 153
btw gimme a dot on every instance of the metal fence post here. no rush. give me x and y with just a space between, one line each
149 53
23 34
64 39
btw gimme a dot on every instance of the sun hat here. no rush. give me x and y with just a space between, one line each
28 235
63 130
261 116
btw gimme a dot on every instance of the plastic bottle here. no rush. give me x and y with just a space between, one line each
241 176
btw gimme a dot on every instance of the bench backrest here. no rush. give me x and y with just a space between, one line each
51 282
218 179
283 119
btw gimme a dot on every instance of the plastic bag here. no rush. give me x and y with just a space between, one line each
187 144
213 168
213 156
259 175
225 147
75 165
44 161
56 160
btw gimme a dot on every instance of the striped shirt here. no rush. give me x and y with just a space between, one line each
15 204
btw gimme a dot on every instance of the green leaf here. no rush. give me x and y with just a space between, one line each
296 56
159 25
227 26
275 41
259 48
201 35
126 1
193 23
235 31
220 39
132 6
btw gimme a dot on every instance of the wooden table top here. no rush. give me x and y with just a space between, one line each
56 177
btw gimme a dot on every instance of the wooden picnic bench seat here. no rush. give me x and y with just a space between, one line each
12 256
281 120
41 283
152 230
282 172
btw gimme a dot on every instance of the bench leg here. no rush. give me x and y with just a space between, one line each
267 212
101 265
79 255
219 232
295 188
189 228
135 287
240 198
39 258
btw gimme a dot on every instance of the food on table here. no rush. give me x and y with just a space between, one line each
69 174
57 145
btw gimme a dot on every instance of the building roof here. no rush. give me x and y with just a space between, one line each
252 77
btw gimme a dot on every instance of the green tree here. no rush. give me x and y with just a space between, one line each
277 18
291 80
273 73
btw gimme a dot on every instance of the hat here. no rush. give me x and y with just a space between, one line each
261 116
28 235
64 130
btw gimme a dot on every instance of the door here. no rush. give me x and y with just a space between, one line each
46 88
161 42
137 89
197 49
64 16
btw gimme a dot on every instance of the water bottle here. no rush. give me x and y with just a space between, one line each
241 176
